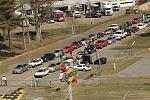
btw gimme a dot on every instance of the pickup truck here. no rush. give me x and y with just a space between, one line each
101 43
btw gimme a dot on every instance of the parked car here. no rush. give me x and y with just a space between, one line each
101 60
91 48
84 41
92 37
35 62
77 14
141 25
147 23
135 21
52 67
120 34
68 49
111 39
100 34
101 43
109 31
83 67
21 68
134 29
115 8
74 45
48 57
50 20
114 26
79 54
58 52
41 73
57 65
77 44
128 30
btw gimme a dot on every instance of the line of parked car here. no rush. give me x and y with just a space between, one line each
115 33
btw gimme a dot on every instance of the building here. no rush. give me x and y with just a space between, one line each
122 3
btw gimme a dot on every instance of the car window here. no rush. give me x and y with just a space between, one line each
79 66
41 70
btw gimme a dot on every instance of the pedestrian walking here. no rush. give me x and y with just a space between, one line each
4 80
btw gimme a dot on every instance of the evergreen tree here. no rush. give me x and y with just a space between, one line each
7 9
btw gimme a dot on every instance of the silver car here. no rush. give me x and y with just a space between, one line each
21 68
111 39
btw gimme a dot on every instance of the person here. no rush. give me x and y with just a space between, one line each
4 80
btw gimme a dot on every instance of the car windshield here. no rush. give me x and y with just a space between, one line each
116 7
109 38
108 8
83 39
51 65
56 51
90 46
34 60
19 66
140 25
118 32
80 53
113 25
41 70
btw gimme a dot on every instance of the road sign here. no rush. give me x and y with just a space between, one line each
70 74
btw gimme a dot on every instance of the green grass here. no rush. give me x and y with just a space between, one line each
143 39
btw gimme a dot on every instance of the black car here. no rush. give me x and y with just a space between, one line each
86 59
91 48
128 30
48 57
101 60
115 8
134 29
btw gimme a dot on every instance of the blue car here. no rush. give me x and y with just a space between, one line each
48 57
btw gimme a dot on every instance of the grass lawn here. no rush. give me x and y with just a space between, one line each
142 39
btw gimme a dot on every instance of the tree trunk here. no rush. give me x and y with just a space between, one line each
24 39
10 40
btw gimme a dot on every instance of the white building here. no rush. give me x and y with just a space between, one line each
122 3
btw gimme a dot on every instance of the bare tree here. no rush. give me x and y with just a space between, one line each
40 9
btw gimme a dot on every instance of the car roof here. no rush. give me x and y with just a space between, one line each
43 68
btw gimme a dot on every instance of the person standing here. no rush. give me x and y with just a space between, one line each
4 80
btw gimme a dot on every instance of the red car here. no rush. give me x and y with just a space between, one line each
68 49
74 45
135 21
101 43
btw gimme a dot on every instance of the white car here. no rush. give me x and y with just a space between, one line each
120 34
83 67
114 26
141 25
41 73
77 14
35 62
58 52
